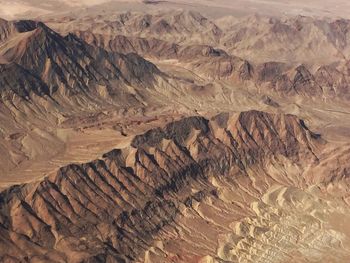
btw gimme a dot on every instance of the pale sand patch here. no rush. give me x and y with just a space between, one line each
11 9
289 225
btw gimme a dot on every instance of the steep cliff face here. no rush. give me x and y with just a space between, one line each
113 209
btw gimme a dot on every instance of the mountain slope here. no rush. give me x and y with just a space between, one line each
69 62
46 78
112 209
247 186
173 26
257 38
327 80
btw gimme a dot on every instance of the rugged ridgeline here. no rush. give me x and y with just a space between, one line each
66 63
45 76
258 38
247 187
329 81
173 26
115 208
282 56
202 59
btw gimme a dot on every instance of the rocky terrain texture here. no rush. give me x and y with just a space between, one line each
218 8
45 77
292 55
142 202
171 136
298 39
205 60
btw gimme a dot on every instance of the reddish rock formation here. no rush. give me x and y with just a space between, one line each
110 209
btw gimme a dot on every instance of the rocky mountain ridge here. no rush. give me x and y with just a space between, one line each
45 76
68 62
113 147
327 81
256 38
111 209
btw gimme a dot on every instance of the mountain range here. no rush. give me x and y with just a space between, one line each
169 136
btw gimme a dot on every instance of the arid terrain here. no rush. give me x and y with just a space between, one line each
175 131
218 8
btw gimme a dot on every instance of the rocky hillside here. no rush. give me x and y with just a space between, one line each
114 208
256 38
295 55
173 26
45 76
326 81
69 63
113 147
